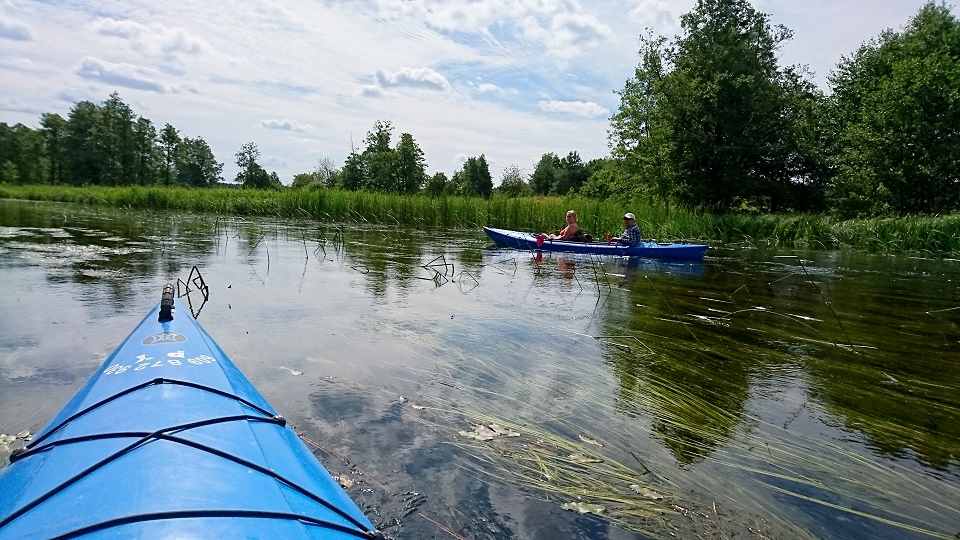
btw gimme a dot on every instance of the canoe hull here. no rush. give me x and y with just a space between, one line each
528 240
168 439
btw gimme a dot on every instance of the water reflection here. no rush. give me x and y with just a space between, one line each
749 380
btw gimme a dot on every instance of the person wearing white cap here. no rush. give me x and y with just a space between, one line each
631 233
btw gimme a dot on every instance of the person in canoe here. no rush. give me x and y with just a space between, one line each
571 232
631 233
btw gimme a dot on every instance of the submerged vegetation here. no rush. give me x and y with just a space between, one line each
928 235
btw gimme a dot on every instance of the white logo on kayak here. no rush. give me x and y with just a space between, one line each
147 362
165 337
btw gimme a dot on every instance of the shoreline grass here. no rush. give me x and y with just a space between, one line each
930 235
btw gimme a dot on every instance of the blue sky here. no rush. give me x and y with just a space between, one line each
511 79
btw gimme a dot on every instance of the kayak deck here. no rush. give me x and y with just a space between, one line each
169 439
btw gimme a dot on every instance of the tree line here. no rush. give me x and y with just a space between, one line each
106 144
708 120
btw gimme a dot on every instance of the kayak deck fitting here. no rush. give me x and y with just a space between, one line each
168 439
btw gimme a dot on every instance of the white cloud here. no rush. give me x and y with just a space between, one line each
577 108
15 30
414 78
156 38
488 88
129 76
566 36
284 125
661 15
372 91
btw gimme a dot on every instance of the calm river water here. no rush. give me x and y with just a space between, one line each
770 394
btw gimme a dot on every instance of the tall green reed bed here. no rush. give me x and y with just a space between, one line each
934 235
938 235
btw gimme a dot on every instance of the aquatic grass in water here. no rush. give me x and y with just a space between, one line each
692 400
934 235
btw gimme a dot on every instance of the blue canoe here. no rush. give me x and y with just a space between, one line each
169 440
655 250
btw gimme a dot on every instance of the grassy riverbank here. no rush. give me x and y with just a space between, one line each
932 235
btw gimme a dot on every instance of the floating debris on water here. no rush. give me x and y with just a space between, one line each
488 433
580 458
503 431
648 493
480 433
582 507
7 440
590 440
344 481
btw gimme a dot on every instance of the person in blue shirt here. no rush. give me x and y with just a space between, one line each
631 233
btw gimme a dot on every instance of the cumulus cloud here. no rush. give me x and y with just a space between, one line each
129 76
655 14
488 88
15 30
125 29
412 77
284 125
372 91
586 109
156 38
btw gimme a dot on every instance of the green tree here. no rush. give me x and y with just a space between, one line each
9 173
896 110
114 135
473 179
353 174
196 165
606 179
725 103
302 181
512 183
33 164
82 161
543 181
146 153
8 144
437 185
712 119
379 159
53 127
169 141
571 174
22 148
640 137
409 168
325 174
251 174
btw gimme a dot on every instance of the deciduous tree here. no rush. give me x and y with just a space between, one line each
512 183
196 165
544 178
896 106
410 173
